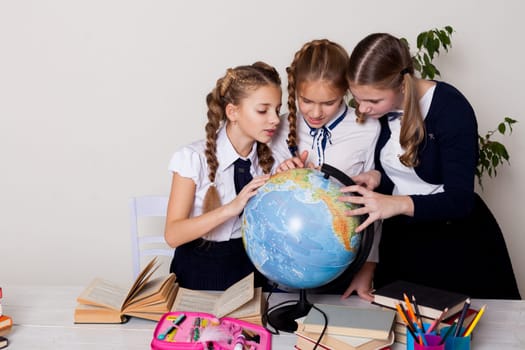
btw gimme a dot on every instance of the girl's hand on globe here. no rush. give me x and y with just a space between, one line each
293 163
238 203
376 205
369 179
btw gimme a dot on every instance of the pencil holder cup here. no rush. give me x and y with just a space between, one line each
433 343
410 339
456 343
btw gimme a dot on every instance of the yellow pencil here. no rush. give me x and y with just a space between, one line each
474 321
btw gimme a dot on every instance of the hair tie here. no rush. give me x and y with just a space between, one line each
227 81
293 150
405 71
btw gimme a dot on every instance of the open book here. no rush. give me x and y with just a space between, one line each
241 301
106 302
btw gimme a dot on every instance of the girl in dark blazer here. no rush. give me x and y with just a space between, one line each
437 231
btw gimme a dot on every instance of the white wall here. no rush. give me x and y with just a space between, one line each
96 95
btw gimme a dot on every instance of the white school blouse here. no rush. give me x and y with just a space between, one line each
351 149
405 179
190 162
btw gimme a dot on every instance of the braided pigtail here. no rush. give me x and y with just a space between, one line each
292 109
216 117
266 160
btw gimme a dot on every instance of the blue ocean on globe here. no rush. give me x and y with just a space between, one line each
295 230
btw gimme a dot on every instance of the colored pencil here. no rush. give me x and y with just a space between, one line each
404 317
448 332
462 317
418 314
437 321
409 309
475 321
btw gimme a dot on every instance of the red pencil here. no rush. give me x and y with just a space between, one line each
437 320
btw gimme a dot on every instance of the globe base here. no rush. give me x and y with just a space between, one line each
283 318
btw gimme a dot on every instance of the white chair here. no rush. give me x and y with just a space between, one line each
148 240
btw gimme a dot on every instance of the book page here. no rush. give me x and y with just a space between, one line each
251 308
235 296
142 278
103 293
196 301
152 291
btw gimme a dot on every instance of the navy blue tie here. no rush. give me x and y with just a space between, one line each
241 174
323 135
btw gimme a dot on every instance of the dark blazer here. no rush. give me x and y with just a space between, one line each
448 155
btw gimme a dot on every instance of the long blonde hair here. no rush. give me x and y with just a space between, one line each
384 62
233 87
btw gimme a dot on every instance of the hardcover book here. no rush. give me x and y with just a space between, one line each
350 321
106 302
431 301
307 341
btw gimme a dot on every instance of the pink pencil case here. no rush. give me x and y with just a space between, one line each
203 331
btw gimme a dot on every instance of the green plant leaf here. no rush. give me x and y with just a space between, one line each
421 39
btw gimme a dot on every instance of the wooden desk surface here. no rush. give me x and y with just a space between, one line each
43 318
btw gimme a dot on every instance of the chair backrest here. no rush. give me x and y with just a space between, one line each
148 241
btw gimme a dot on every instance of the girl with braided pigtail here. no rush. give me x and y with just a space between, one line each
212 179
323 128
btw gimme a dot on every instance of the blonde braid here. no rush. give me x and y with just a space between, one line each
292 108
216 116
266 160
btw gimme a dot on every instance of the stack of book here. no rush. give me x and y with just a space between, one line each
348 328
6 323
431 303
150 298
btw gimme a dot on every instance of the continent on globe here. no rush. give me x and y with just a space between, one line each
295 230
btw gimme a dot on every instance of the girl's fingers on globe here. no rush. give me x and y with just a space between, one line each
353 199
355 189
364 225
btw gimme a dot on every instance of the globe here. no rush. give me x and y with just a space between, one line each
295 230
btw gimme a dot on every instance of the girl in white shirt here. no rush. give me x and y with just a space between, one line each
203 218
322 128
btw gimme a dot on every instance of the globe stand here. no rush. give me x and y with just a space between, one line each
283 318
